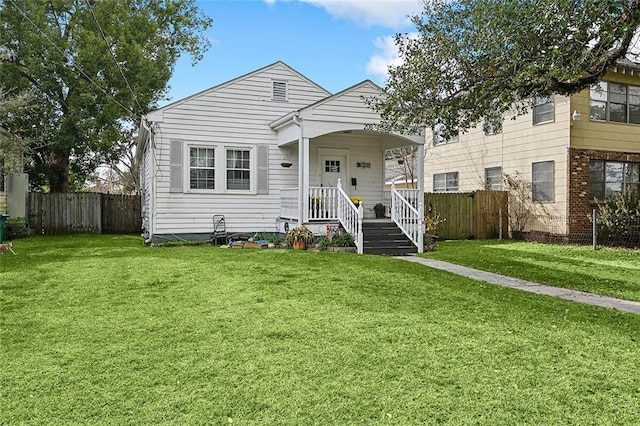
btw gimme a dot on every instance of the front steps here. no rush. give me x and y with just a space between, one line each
384 237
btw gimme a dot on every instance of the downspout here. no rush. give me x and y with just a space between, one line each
151 146
301 156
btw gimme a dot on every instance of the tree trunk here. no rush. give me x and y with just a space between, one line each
59 173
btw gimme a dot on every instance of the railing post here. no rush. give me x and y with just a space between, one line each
359 227
420 226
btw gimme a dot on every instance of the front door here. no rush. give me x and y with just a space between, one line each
334 167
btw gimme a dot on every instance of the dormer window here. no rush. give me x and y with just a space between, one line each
279 91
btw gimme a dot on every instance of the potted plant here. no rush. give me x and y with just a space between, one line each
379 210
299 238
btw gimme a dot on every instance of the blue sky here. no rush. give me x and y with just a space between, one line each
335 43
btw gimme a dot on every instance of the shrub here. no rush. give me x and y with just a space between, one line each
343 240
619 218
16 228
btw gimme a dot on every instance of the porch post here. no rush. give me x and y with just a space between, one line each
304 189
420 171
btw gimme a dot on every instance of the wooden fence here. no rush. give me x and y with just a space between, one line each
84 212
468 215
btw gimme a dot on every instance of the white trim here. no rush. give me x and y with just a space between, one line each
253 173
273 90
220 168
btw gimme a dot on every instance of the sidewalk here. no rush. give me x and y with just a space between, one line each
562 293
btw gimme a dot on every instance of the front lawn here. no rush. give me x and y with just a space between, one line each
606 271
103 330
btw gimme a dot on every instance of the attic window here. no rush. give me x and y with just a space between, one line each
279 91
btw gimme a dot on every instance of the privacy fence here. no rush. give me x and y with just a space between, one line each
468 215
84 212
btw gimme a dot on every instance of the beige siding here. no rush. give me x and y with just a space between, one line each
237 113
599 135
515 149
3 202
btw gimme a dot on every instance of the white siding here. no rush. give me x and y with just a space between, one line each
348 106
361 147
237 113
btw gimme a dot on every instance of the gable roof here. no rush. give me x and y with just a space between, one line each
289 116
242 77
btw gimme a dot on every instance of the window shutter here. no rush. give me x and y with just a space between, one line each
175 166
262 161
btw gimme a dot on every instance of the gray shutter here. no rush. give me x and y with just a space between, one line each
175 166
262 161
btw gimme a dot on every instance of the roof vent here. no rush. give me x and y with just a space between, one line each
279 91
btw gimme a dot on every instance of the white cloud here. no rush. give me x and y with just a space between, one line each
379 63
388 13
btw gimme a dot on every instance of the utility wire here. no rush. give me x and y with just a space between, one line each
75 65
115 60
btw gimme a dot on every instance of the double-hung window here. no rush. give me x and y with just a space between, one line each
445 182
616 102
238 169
542 181
493 178
609 178
543 110
202 172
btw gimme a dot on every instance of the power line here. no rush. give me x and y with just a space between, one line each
115 60
75 65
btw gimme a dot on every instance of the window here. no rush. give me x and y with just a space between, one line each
492 126
332 166
542 179
609 178
445 182
543 110
619 103
202 168
439 139
239 169
279 91
493 178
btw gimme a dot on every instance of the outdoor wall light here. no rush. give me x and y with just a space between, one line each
576 115
286 164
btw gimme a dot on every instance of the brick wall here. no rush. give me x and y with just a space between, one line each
579 205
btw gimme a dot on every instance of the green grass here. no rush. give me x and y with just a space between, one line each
610 272
102 330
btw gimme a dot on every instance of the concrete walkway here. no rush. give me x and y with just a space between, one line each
562 293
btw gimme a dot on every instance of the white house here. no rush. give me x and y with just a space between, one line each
270 150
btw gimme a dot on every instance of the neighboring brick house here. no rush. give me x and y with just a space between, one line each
571 149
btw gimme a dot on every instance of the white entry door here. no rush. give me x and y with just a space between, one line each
333 167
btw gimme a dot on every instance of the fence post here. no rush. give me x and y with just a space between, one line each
594 232
500 224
